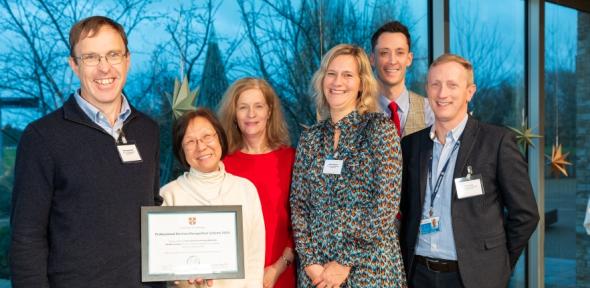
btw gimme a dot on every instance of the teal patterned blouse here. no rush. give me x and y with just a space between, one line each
349 218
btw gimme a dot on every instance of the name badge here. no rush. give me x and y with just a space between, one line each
469 186
333 166
429 225
128 153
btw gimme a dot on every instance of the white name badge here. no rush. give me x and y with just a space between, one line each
128 153
470 186
333 167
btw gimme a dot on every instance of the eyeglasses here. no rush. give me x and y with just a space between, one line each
112 58
191 143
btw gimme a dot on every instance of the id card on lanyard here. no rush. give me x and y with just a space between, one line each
128 151
431 224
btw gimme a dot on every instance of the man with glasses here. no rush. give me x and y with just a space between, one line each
83 172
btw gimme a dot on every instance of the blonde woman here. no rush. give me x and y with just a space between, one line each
346 181
258 142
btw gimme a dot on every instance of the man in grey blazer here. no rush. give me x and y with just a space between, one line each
467 200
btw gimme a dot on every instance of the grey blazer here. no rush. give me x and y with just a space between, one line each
491 230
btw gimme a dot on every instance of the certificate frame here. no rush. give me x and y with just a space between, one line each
149 213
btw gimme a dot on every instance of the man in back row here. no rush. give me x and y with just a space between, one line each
390 57
82 173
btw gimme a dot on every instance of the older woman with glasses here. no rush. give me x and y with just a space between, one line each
346 181
259 151
200 144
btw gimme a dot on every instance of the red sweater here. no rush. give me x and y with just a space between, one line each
271 174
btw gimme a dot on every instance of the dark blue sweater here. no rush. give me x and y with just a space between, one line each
76 207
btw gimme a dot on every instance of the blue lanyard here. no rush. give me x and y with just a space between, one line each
440 177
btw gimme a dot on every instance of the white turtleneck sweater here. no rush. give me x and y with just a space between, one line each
221 188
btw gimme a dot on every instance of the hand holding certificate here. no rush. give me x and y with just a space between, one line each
189 242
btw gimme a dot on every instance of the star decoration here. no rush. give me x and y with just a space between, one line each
182 99
558 160
524 136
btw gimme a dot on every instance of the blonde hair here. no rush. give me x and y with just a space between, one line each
277 133
448 57
367 99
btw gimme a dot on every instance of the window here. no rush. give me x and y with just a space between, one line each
492 40
567 99
245 38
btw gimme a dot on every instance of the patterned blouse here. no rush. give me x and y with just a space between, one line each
349 218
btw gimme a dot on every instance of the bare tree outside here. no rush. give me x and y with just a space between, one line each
34 75
36 35
500 80
189 29
281 41
288 39
560 87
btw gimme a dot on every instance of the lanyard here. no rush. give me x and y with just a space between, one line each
440 177
121 139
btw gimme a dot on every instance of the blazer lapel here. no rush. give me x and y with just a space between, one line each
425 153
467 143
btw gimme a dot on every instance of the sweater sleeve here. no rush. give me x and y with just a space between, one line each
167 193
254 266
31 204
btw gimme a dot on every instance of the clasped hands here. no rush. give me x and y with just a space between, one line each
194 282
331 275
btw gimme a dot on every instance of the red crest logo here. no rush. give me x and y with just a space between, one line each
192 220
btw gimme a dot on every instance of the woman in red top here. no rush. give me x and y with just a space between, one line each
258 142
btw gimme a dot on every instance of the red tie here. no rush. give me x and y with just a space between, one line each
395 117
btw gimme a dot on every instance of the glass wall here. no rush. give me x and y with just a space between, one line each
211 43
478 32
567 111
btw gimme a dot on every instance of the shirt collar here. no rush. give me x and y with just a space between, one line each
403 101
454 134
94 114
349 121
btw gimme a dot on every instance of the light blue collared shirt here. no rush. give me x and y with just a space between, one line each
441 244
403 108
100 119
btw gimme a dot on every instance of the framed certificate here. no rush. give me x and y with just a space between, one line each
188 242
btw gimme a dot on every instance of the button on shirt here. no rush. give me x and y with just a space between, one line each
441 244
403 107
100 119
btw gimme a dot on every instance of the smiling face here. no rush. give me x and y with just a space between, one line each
101 85
449 90
341 84
391 57
252 113
201 146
